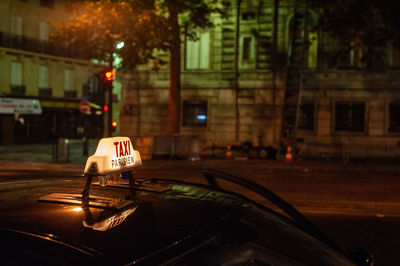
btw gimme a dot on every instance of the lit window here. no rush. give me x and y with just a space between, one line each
44 31
350 116
43 77
16 25
312 50
198 52
67 79
16 73
194 114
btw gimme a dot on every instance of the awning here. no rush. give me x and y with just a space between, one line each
20 106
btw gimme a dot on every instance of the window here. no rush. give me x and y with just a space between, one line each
16 79
16 73
295 36
393 51
306 116
248 16
16 25
67 79
394 117
350 116
198 52
350 54
69 6
312 52
43 77
47 3
194 114
247 45
246 53
44 31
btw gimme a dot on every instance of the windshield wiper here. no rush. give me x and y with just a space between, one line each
305 224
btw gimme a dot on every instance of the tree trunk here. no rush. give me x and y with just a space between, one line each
175 77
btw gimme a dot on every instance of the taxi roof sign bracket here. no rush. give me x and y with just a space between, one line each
113 155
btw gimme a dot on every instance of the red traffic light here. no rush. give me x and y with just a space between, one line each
114 125
105 108
109 75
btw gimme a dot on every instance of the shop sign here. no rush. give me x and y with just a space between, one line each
20 106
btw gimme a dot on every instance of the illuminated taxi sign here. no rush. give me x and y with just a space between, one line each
112 155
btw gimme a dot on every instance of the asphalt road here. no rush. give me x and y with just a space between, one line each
352 204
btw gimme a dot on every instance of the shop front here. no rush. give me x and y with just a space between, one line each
16 116
34 121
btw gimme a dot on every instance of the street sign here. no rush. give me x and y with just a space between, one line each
84 107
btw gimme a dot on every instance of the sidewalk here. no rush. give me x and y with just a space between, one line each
43 153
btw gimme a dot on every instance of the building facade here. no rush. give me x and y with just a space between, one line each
37 72
348 104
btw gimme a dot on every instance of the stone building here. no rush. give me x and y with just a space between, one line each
40 81
348 107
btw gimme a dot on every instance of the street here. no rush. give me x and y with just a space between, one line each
353 204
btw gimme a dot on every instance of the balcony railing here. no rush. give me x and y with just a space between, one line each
18 90
39 46
70 94
45 92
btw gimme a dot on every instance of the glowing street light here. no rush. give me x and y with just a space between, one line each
120 45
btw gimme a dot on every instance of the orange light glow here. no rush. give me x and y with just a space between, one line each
114 124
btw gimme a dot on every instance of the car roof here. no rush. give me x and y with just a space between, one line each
145 226
159 219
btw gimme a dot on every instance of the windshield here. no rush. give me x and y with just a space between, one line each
257 237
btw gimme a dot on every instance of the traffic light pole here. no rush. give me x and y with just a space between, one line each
110 110
110 100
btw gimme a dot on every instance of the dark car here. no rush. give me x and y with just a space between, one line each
153 222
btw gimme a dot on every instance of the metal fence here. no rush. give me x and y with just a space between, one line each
370 148
13 41
348 148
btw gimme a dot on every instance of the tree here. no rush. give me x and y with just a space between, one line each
367 24
192 14
97 26
143 26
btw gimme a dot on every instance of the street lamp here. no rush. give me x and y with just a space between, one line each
120 45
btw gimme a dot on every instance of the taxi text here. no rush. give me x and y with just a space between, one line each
123 154
122 148
122 161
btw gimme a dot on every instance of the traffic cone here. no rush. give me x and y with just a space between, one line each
289 157
228 153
